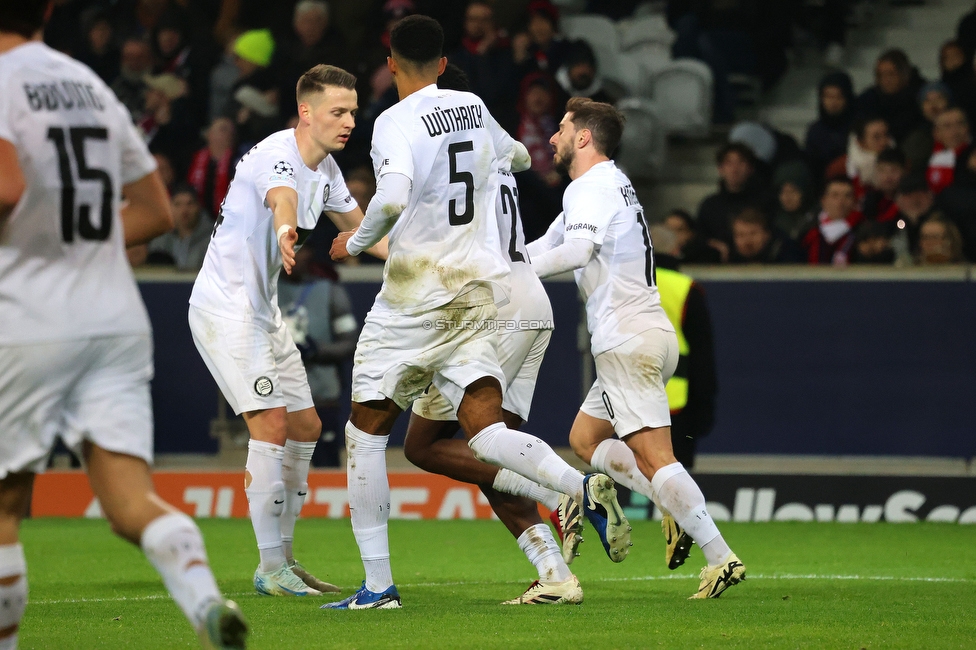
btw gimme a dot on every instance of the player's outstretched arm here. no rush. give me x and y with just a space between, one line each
390 200
146 213
283 202
12 183
570 255
349 222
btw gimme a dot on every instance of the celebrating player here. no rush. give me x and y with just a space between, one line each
75 343
281 187
436 155
602 235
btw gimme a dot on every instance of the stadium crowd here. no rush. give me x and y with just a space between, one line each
886 176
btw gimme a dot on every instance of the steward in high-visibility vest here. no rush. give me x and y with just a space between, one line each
691 390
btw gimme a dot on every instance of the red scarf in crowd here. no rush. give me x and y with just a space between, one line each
942 167
197 177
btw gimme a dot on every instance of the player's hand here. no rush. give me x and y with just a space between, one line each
338 251
287 243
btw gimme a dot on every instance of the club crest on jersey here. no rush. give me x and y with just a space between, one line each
263 386
283 169
325 194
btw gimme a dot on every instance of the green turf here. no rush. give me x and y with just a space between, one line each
809 586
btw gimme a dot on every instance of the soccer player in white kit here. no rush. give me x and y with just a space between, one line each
624 425
75 341
280 189
436 155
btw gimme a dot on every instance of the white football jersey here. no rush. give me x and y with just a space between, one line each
239 278
529 300
63 269
618 284
445 239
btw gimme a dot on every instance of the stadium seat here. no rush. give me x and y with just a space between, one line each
682 92
646 29
631 70
643 148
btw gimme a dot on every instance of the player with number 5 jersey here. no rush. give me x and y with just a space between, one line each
624 424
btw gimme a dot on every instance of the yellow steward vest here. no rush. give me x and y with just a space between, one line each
674 288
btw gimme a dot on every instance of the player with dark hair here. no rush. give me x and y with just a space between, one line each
76 353
280 189
524 329
623 427
437 155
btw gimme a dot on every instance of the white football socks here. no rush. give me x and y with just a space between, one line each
682 497
529 456
13 596
369 504
615 459
294 474
266 500
541 548
174 545
509 482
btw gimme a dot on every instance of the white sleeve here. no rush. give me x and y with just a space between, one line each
552 238
276 168
589 210
390 150
572 254
512 154
392 193
340 200
6 130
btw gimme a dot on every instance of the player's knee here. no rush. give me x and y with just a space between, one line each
414 452
581 446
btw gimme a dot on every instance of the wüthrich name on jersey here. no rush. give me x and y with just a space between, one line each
454 118
62 95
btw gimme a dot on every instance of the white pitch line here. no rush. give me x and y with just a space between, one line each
783 576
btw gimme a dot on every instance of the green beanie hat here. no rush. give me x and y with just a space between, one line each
255 46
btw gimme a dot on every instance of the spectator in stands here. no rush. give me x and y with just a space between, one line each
958 201
253 104
951 139
872 244
933 98
827 137
793 214
694 385
721 35
99 50
939 242
958 75
691 247
755 242
316 40
223 76
540 48
186 245
916 203
579 77
130 85
485 56
537 123
177 54
869 138
318 313
212 166
894 95
738 189
879 202
831 240
166 121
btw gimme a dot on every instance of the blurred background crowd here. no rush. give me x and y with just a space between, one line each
886 174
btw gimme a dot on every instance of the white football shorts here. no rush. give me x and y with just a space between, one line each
254 368
520 353
630 379
93 389
399 356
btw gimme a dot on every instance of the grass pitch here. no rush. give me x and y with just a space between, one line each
809 585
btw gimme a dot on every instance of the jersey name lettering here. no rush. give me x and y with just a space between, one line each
455 118
62 95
